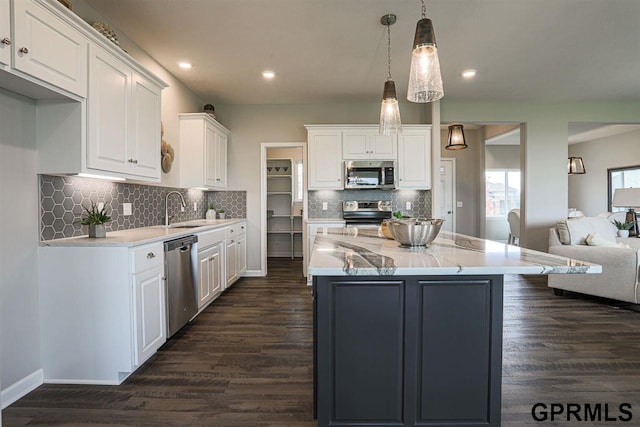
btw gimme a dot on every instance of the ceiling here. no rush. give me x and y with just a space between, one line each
328 51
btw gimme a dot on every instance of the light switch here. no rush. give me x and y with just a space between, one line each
459 204
325 206
126 209
100 206
408 206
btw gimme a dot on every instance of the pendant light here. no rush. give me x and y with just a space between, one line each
455 140
425 80
389 111
575 166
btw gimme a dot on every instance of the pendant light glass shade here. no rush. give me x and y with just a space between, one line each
455 140
425 80
389 111
575 166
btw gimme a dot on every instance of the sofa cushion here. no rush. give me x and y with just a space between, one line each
574 231
596 239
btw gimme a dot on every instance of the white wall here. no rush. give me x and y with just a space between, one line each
251 125
588 192
19 219
544 154
502 157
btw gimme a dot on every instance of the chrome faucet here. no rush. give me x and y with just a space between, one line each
166 205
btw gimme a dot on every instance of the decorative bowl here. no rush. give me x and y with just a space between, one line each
415 231
384 227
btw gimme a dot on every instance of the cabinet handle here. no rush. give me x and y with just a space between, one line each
232 241
5 41
242 227
151 255
217 179
130 160
24 50
135 162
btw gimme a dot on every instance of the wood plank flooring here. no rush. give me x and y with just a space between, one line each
247 361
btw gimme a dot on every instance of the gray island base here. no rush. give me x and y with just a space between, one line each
408 337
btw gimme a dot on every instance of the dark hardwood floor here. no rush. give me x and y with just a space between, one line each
247 361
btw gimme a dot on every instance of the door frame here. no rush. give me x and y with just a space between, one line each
263 193
454 200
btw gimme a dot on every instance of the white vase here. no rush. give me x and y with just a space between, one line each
211 214
623 233
221 215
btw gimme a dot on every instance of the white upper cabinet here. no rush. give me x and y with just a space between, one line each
47 48
124 119
203 152
367 144
414 158
324 158
5 33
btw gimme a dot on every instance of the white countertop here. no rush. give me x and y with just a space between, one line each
324 220
359 252
144 235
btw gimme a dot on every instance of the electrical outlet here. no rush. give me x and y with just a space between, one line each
100 206
408 206
325 206
126 209
181 208
459 204
195 206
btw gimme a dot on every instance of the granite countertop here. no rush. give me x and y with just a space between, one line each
144 235
359 252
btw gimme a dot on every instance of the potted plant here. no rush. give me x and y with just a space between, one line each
623 227
96 219
211 212
221 214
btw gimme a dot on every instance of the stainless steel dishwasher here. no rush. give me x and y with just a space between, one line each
180 271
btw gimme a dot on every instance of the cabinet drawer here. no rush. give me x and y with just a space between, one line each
146 257
236 230
209 238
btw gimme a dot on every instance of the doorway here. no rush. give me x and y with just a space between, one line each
283 200
448 193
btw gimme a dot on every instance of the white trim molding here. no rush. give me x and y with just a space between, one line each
21 388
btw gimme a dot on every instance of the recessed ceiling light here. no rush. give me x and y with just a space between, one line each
185 65
469 74
268 74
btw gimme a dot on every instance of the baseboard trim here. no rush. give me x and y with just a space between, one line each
21 388
253 273
82 382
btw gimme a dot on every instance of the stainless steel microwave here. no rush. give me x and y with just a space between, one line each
369 174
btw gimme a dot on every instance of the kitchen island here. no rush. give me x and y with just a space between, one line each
413 336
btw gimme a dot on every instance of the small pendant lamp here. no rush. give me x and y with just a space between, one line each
455 140
389 111
575 166
425 80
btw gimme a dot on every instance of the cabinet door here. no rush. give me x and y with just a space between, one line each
232 262
49 49
382 146
414 159
241 251
355 144
215 270
109 115
210 155
221 161
204 277
5 33
325 160
145 145
150 324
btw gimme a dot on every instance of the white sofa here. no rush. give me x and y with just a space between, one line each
619 278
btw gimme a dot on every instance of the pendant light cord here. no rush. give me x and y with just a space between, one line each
424 9
389 52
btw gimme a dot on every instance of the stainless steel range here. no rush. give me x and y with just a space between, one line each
365 212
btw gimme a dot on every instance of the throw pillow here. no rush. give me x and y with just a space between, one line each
595 239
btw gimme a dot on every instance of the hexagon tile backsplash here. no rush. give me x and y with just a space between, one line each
420 201
62 199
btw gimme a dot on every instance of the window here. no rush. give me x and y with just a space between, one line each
502 192
298 181
622 178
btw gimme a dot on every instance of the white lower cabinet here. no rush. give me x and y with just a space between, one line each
102 311
210 271
150 313
236 252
